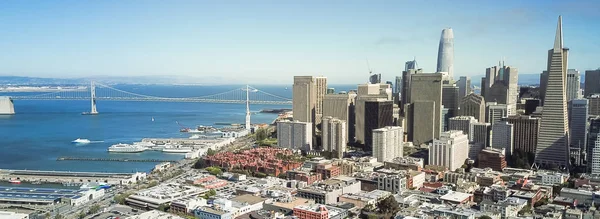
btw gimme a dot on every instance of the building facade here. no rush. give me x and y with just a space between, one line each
480 133
495 112
304 98
425 109
592 82
294 135
553 142
525 131
387 143
473 105
333 137
573 84
578 116
341 106
378 114
492 158
462 123
464 86
503 137
450 150
445 61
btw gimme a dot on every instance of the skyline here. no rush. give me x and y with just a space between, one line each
275 41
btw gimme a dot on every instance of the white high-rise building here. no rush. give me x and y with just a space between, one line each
450 150
503 137
573 84
334 136
294 135
445 62
595 156
387 143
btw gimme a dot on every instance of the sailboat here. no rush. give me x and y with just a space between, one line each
152 119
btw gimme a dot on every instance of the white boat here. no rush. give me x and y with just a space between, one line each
81 141
176 149
126 148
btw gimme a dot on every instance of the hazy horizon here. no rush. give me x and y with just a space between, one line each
272 41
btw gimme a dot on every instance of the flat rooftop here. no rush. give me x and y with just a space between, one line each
41 194
65 173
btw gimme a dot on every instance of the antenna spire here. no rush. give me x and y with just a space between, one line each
558 40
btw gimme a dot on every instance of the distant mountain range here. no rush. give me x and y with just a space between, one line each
159 80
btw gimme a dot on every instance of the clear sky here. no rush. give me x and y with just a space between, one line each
271 41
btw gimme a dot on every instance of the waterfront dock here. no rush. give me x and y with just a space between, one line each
113 159
45 176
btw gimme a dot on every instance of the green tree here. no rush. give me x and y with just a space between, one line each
163 207
58 216
261 134
94 209
47 215
80 215
282 176
210 193
214 171
260 175
388 205
485 217
210 152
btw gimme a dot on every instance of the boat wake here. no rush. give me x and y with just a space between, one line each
80 141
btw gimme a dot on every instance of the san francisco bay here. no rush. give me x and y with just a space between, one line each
42 130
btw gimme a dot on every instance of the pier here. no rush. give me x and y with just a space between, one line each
113 159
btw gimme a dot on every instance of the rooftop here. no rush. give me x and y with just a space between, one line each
455 196
155 214
250 199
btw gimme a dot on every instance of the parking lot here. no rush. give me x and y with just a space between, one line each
118 211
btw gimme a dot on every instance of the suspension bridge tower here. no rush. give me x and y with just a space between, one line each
247 107
93 110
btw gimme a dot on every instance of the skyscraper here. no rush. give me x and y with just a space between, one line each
426 108
387 143
594 104
553 143
341 106
526 130
405 93
321 90
593 147
500 85
334 136
411 65
573 84
503 137
495 112
445 62
578 116
592 82
365 93
464 86
304 98
450 150
462 123
450 99
378 114
473 105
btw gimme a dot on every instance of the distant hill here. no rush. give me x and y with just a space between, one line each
176 80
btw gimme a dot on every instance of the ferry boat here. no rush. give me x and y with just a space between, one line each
14 181
126 148
144 144
81 141
176 149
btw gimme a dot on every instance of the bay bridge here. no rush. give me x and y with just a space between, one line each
100 92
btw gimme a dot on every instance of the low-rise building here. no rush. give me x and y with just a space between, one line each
13 215
319 211
213 213
186 205
405 163
362 199
582 196
162 194
328 191
247 203
155 214
509 207
553 178
457 197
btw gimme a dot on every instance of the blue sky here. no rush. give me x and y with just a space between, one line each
258 41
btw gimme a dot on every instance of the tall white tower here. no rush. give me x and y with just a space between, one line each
93 111
247 107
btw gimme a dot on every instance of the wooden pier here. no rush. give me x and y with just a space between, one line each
113 159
